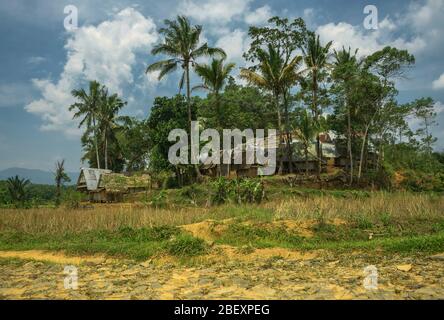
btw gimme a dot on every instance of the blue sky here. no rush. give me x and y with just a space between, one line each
41 62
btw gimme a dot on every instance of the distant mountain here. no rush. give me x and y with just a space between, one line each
36 176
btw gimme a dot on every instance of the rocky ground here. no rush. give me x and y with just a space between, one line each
226 273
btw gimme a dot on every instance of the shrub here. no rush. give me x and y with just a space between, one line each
221 191
241 190
72 199
159 200
186 245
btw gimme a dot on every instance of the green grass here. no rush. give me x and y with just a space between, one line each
421 236
399 222
137 244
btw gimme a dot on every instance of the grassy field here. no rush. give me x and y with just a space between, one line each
303 219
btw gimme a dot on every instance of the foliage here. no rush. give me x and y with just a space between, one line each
71 199
237 190
60 178
222 191
166 114
186 246
293 79
17 189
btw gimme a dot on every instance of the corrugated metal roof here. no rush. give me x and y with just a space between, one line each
91 177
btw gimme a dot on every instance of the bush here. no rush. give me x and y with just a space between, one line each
249 191
159 200
72 199
186 245
191 193
421 181
221 190
240 190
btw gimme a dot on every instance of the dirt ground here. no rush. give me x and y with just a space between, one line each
226 273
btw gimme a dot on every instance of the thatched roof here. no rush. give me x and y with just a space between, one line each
116 182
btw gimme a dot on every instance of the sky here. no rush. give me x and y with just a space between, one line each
41 61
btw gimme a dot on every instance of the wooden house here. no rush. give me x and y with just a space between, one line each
330 158
106 186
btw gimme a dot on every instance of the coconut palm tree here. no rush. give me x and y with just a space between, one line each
87 108
60 177
316 60
108 111
346 69
17 188
182 44
275 76
214 77
307 129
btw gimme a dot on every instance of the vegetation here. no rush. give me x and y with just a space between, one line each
309 219
60 177
294 83
17 189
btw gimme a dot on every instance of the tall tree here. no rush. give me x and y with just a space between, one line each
108 111
316 60
345 72
182 44
214 78
87 108
387 64
286 38
134 141
60 178
424 110
273 75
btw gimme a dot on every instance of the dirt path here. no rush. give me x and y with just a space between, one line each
227 274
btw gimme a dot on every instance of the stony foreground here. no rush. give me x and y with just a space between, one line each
257 275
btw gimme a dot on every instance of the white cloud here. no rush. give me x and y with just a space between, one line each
235 44
213 11
259 16
439 83
346 35
426 15
106 53
439 107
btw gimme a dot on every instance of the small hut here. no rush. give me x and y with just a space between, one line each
106 186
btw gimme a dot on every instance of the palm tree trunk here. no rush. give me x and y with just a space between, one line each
58 193
281 160
306 160
362 152
316 112
96 143
349 145
187 74
219 127
288 133
106 151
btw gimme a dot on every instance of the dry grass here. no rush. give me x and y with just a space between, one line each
398 206
100 218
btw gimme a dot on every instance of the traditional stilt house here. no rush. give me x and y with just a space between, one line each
106 186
